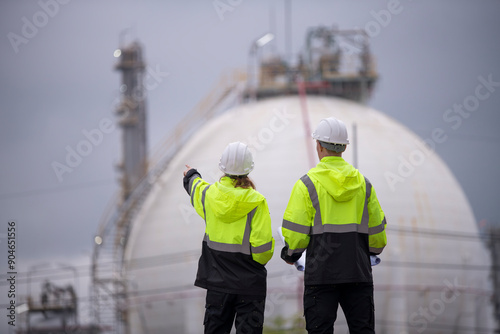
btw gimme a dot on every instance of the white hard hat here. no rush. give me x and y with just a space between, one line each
236 159
331 130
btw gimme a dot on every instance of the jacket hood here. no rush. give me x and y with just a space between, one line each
339 178
230 204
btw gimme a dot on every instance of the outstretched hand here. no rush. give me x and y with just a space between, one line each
188 168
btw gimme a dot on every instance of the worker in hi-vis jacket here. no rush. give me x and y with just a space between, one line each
237 245
334 214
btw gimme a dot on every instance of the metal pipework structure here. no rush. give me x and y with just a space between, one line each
132 116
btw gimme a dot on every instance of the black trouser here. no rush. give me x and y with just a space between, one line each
356 299
221 309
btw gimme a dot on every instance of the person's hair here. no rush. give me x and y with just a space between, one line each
242 181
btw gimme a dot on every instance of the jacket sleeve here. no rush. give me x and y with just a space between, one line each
376 225
297 222
188 178
197 187
261 236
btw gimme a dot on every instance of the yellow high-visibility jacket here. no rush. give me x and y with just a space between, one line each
238 237
334 213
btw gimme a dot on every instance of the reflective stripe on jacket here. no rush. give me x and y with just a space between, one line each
238 239
334 213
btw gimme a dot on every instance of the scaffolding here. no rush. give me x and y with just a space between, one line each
55 311
335 63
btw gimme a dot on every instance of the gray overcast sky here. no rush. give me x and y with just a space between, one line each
57 80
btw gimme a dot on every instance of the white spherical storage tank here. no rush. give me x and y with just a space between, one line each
434 274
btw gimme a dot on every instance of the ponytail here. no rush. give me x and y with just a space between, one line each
242 181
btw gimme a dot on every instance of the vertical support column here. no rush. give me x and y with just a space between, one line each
132 117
